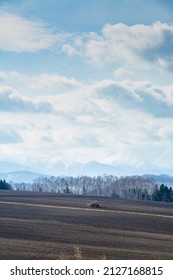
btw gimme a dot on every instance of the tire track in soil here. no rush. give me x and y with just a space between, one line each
87 209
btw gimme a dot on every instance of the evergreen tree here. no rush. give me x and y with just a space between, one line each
163 194
4 185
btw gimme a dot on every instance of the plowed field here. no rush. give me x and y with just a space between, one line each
52 226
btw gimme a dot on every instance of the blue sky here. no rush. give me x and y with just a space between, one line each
87 81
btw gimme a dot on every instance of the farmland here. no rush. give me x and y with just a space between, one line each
53 226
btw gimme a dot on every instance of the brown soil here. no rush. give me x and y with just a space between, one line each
51 226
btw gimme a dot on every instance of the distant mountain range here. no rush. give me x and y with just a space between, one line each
161 179
8 166
91 168
18 173
20 176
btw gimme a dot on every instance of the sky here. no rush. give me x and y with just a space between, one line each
84 80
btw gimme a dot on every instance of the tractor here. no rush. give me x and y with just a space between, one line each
95 204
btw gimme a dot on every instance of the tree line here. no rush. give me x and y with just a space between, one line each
126 187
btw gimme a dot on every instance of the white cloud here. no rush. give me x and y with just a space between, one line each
123 74
9 136
70 50
12 101
138 45
168 94
19 34
52 82
110 121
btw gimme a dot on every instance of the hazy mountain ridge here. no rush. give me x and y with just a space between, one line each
17 173
9 166
20 176
162 178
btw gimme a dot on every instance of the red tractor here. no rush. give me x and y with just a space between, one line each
95 204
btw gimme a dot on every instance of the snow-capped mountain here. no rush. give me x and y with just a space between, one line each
92 168
18 173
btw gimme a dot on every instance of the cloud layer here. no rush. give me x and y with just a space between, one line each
118 44
87 100
108 120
